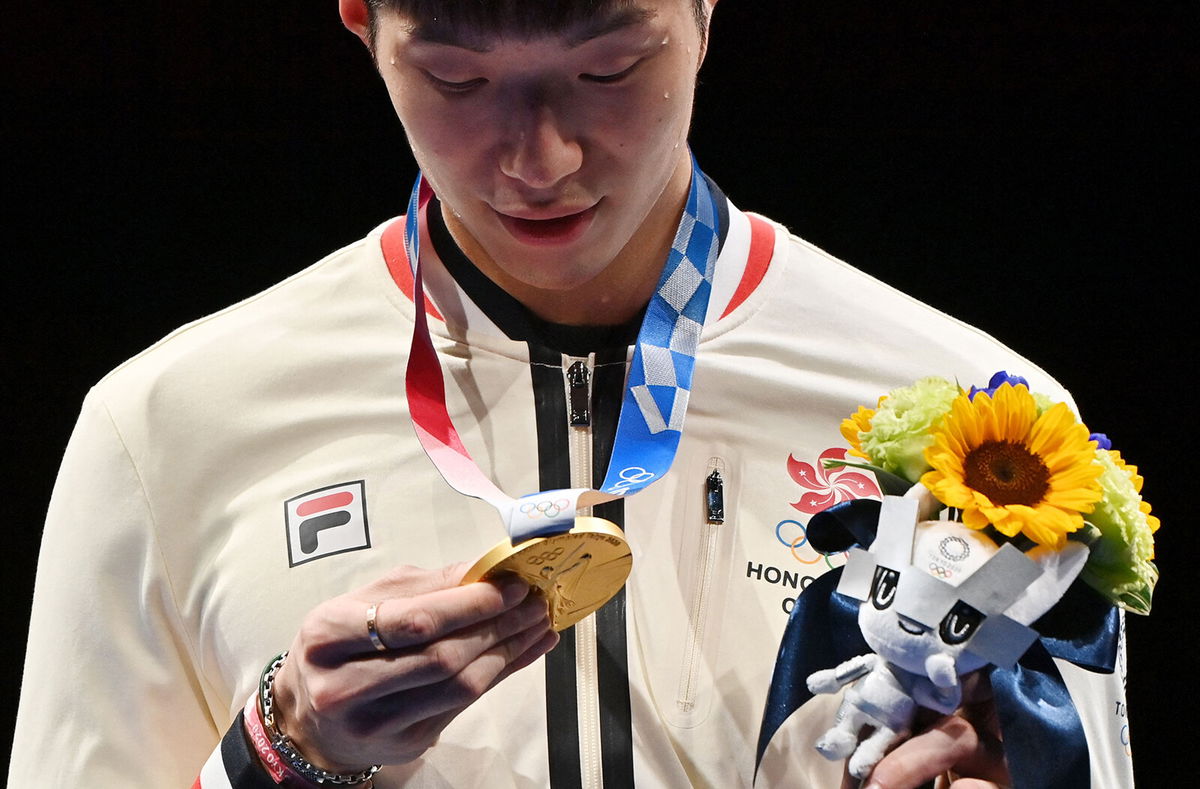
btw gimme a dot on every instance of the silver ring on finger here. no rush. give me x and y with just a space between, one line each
372 630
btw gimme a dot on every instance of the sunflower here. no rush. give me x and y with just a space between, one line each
997 460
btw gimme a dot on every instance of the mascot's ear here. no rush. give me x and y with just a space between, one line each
1059 569
844 525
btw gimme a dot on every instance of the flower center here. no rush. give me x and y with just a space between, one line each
1007 473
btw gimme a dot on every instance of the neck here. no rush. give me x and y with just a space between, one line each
619 292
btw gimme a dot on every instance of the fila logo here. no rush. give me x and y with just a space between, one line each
326 521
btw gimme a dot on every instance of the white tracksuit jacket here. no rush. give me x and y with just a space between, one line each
177 560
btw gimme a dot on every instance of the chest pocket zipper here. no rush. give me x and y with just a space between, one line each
701 599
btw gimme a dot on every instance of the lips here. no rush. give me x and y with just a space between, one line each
550 230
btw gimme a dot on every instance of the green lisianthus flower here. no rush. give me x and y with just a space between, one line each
1120 565
1043 402
900 427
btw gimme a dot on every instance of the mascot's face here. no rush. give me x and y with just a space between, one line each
908 643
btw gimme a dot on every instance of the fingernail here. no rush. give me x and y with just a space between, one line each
549 641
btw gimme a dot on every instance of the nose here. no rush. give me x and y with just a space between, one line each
541 150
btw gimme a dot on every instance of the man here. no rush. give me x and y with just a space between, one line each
554 136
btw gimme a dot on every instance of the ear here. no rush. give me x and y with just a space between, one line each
1059 569
709 5
356 18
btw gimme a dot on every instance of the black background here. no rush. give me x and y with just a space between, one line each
1027 167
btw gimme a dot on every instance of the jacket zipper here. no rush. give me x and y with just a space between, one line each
714 517
578 381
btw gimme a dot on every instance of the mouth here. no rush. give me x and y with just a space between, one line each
548 230
910 627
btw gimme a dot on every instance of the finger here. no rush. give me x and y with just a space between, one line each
408 581
447 657
951 743
399 711
424 734
410 621
540 647
488 668
973 783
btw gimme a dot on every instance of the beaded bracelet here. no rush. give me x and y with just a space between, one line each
282 744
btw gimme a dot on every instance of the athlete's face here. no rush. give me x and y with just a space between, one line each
557 154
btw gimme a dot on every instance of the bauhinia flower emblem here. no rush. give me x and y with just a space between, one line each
827 484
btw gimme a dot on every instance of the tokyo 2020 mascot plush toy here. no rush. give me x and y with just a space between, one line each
937 601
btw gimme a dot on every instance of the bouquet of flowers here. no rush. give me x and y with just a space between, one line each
1012 462
996 500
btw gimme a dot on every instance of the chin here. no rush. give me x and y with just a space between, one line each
559 281
556 269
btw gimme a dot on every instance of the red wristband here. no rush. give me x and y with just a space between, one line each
271 761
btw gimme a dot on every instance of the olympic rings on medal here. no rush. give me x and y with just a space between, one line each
544 508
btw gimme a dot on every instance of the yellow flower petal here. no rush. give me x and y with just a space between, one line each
1000 462
856 423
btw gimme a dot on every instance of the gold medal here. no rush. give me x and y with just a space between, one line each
577 571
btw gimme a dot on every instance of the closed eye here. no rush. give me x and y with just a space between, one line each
446 86
609 79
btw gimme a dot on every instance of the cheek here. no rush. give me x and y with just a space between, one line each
885 637
449 152
438 131
666 114
444 134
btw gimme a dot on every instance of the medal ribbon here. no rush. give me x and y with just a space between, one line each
656 397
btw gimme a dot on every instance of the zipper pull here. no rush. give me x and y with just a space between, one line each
714 497
578 377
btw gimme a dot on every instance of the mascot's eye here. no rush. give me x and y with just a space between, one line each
883 587
960 624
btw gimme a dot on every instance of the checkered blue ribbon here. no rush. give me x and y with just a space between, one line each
656 398
660 377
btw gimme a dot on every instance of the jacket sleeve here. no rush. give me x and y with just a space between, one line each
111 695
234 765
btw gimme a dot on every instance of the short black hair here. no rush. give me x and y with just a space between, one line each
518 18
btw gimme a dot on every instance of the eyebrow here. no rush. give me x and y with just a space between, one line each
625 15
618 19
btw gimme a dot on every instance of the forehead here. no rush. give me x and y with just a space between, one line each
475 24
